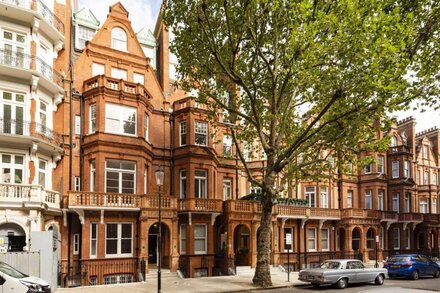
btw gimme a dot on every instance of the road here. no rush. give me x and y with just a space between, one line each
390 286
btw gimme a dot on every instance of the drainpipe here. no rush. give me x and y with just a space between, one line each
171 151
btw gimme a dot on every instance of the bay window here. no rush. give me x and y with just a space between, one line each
12 168
200 184
92 122
227 189
201 133
183 184
200 244
423 206
396 202
368 204
380 195
395 169
120 176
182 133
120 119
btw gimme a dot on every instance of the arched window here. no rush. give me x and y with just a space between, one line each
119 39
393 141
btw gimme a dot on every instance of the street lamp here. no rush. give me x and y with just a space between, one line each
159 181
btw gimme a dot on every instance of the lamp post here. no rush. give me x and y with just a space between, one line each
376 265
159 181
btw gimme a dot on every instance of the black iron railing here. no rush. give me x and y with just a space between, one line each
30 62
26 128
50 17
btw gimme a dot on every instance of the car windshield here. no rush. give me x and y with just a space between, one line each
10 271
399 259
333 265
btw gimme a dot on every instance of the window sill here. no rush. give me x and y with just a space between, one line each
121 134
118 255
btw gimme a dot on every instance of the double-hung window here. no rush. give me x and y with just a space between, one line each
200 183
120 176
324 197
84 34
200 244
227 145
119 239
11 168
310 195
227 189
119 73
92 175
42 170
396 202
380 164
120 119
92 123
98 69
425 152
367 169
406 169
12 111
368 195
183 239
380 195
423 206
93 240
182 133
426 178
349 198
147 127
396 238
395 169
407 202
311 239
182 183
201 133
325 239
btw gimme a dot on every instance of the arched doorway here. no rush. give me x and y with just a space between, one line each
242 246
420 240
371 235
13 237
356 242
153 245
341 237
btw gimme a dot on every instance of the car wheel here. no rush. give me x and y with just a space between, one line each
342 283
315 285
415 275
379 280
437 274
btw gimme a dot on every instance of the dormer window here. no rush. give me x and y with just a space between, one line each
119 39
393 141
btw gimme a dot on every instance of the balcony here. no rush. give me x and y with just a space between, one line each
301 212
201 205
427 188
400 149
369 214
13 132
411 217
116 85
27 10
103 201
29 196
25 66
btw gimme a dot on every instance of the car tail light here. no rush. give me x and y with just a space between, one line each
408 264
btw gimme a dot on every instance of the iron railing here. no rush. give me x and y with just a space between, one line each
26 4
26 128
30 62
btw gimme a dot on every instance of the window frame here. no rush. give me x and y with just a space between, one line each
205 238
202 183
120 112
325 240
380 199
350 199
183 183
183 238
369 196
227 189
201 130
13 167
92 118
120 172
307 195
396 236
183 130
396 202
395 169
93 239
119 240
147 127
324 197
76 244
120 42
380 164
314 239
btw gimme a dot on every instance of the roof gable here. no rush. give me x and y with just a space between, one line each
118 8
145 37
86 18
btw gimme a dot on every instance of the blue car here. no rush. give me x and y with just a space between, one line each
411 266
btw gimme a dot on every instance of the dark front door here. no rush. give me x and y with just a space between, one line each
152 249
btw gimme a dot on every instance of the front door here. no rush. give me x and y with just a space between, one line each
152 249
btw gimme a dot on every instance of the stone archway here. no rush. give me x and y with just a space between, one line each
242 245
341 239
12 237
153 245
356 242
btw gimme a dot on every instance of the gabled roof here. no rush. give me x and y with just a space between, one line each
86 18
118 8
146 37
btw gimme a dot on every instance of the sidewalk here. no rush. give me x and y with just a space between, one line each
241 283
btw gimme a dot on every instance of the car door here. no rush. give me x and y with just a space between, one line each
352 271
363 275
428 269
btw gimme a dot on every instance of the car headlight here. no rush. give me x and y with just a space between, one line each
33 287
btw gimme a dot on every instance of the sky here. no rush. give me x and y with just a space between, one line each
144 13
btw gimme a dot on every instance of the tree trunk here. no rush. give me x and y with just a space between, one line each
262 276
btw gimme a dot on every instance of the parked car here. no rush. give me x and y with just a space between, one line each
14 281
341 272
412 266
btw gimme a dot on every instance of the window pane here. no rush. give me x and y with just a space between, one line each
112 231
199 231
126 230
111 246
126 246
199 245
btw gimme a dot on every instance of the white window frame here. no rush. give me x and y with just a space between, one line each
145 179
76 244
309 239
406 169
367 168
119 39
324 196
201 238
202 182
81 37
395 169
201 130
138 78
93 226
434 206
380 164
425 152
98 69
407 202
380 199
183 131
227 145
183 182
425 177
147 127
368 199
92 175
227 189
13 167
120 172
77 124
120 118
423 206
396 202
92 116
325 241
77 183
44 171
309 195
434 178
119 73
119 240
183 228
349 198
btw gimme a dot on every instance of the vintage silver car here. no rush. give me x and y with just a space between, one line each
341 272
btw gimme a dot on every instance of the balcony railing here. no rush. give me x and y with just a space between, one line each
399 149
152 201
115 84
30 62
201 204
50 17
103 200
100 268
33 129
410 217
41 8
21 193
301 211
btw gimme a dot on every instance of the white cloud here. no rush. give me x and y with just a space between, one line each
141 13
